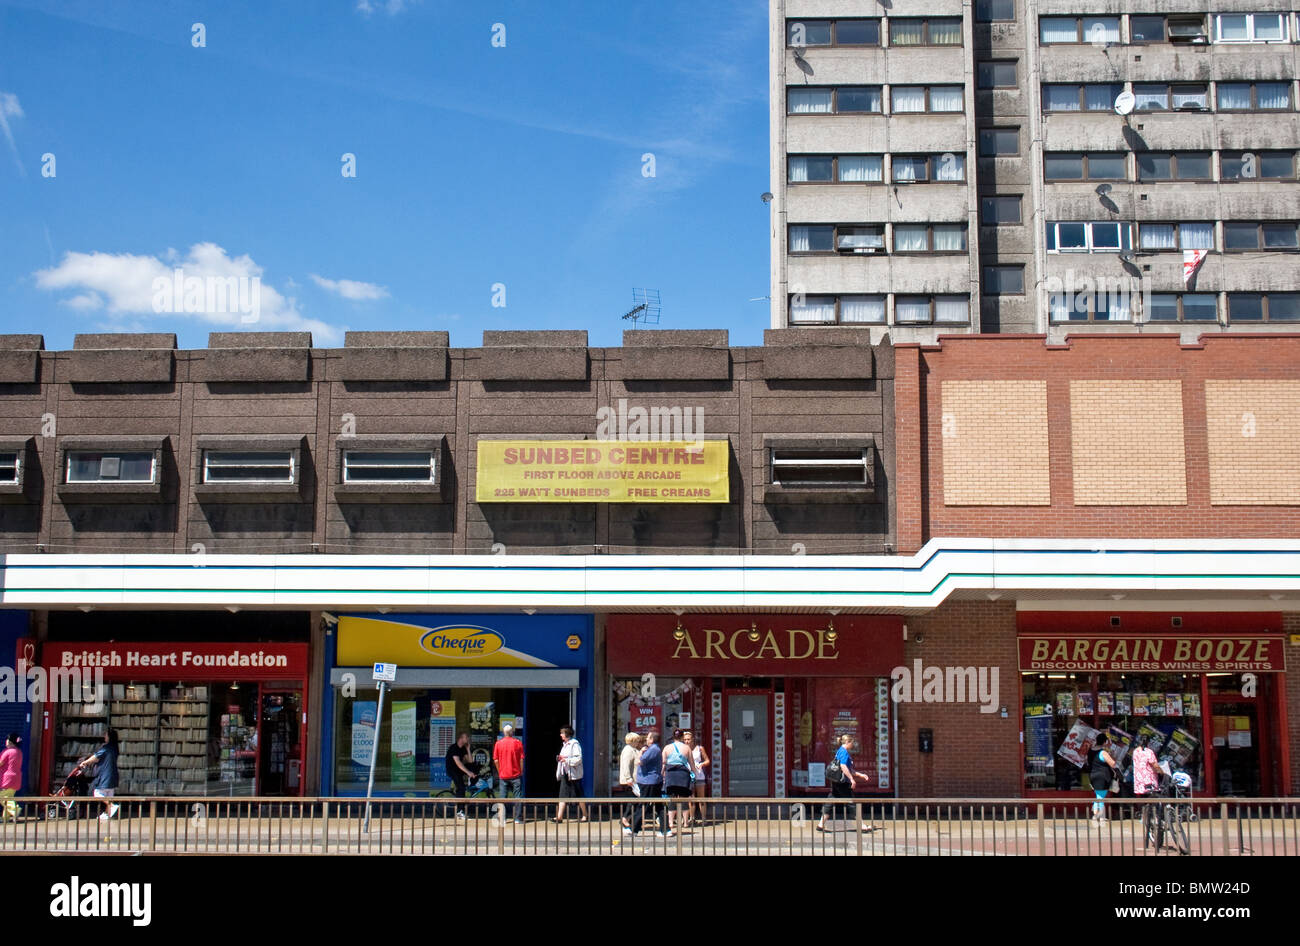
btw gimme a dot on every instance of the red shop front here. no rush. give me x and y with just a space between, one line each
192 718
769 694
1206 689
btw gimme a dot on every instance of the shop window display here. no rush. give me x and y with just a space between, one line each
661 703
1063 713
419 726
824 708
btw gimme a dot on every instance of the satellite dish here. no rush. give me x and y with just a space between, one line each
1124 102
1103 189
1126 256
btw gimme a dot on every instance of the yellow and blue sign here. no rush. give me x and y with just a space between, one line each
471 641
507 646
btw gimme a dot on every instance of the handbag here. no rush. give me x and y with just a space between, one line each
834 771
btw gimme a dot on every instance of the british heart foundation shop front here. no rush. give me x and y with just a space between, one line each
192 718
767 695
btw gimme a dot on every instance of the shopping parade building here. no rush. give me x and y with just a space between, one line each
973 555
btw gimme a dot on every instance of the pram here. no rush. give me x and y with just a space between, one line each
75 785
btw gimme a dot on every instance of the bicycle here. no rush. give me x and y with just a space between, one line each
481 787
1172 816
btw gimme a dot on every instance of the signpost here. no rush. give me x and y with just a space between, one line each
384 674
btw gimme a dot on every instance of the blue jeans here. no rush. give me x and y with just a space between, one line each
513 788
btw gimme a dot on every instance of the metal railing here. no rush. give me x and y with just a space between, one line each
733 826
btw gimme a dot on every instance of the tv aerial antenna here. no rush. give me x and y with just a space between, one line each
645 308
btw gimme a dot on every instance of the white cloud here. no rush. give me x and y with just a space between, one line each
87 300
128 285
10 108
351 289
391 7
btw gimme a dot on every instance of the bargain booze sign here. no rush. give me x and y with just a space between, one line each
1151 642
753 645
1214 653
148 660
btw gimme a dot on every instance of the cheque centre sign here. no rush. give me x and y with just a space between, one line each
585 471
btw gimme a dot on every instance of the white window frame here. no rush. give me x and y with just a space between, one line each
1250 28
861 462
104 454
289 461
348 466
1091 247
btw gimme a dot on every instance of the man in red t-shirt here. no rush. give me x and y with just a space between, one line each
508 756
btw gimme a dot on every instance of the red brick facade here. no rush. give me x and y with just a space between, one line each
922 514
975 754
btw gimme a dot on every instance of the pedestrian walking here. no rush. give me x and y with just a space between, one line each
105 782
632 743
508 757
679 771
11 775
1146 776
458 771
568 772
843 779
649 781
700 784
1102 773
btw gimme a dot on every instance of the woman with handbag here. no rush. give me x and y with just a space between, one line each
568 772
679 770
1102 773
842 780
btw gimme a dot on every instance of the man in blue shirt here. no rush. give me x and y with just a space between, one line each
649 781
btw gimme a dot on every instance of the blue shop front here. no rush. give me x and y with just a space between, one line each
457 673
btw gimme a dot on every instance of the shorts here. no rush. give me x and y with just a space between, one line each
104 792
570 788
679 791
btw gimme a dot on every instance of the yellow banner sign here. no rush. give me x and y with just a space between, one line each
586 471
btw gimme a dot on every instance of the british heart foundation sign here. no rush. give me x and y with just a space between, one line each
586 471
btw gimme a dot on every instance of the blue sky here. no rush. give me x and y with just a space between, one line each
476 164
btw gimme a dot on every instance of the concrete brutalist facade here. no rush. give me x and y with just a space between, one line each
1021 107
401 390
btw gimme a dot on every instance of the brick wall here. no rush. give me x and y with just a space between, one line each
975 754
1136 435
1254 442
1005 419
1126 440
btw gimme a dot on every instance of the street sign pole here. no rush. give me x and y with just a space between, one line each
385 674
